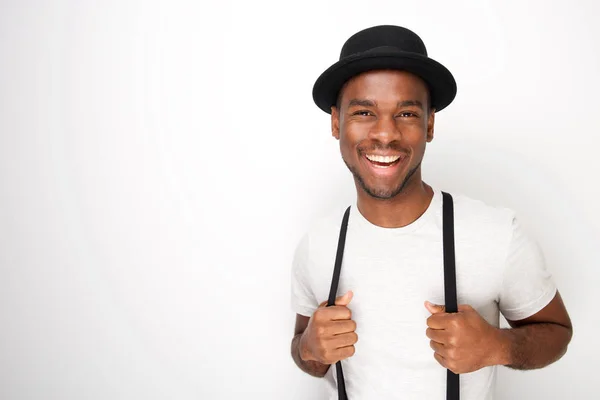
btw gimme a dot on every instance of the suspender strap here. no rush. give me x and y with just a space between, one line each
452 380
338 259
341 384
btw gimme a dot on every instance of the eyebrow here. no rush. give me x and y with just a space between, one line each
370 103
408 103
362 103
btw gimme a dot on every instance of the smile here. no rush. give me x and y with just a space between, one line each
380 161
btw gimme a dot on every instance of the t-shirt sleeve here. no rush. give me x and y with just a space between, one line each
527 286
303 299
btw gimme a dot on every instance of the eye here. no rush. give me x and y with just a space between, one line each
407 114
363 113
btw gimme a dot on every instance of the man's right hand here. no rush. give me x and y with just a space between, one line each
330 335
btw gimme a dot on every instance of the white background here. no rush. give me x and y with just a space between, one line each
159 162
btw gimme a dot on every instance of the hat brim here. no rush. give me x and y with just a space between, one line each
438 78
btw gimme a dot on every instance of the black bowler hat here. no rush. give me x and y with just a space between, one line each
385 47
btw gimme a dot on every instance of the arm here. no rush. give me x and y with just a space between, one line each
303 299
465 342
538 340
325 338
313 368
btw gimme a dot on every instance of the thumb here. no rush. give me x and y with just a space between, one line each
434 308
345 299
341 300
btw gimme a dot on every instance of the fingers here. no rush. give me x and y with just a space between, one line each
328 328
344 340
345 299
339 311
345 352
438 309
334 313
439 348
434 308
438 321
438 335
342 300
341 327
440 359
450 364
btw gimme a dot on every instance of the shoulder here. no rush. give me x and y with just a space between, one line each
327 226
479 222
474 211
323 233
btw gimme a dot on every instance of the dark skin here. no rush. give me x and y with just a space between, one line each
325 338
383 115
387 113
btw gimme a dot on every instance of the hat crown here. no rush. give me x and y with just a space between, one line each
384 47
396 37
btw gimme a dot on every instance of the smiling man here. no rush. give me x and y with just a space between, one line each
387 335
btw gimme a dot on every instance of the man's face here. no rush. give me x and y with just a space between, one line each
383 124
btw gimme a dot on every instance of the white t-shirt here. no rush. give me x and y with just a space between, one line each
392 271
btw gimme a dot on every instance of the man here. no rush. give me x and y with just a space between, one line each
388 324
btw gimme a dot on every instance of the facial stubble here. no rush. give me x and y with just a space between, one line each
382 194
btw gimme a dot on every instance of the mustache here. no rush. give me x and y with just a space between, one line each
373 147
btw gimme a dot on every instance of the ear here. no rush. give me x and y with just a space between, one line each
430 124
335 122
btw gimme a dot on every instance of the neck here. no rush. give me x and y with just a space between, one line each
399 211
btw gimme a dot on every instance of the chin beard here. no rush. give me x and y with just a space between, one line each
382 194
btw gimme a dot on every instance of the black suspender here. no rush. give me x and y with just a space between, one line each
452 379
332 293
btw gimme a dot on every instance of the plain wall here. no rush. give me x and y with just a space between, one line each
159 161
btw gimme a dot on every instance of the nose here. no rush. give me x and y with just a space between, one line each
385 130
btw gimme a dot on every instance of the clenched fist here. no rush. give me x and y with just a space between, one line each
329 336
463 341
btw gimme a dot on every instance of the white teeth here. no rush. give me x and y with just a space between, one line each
382 159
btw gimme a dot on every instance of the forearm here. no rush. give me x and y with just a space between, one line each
533 346
313 368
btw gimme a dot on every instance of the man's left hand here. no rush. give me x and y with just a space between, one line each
463 341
